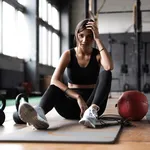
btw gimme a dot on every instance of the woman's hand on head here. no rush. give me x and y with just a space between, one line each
83 106
93 26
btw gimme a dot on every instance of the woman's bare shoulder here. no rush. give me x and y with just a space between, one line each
67 52
66 56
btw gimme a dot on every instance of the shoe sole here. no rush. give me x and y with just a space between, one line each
86 122
28 114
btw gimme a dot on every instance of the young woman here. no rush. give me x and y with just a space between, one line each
85 96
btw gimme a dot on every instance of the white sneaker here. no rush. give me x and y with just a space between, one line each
89 118
33 116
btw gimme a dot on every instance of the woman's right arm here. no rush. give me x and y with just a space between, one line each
57 81
58 73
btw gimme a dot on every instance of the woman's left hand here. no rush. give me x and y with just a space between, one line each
93 26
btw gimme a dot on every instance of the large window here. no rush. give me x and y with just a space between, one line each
49 34
15 34
12 29
9 30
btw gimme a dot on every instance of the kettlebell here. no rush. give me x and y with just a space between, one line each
16 117
146 88
2 114
126 87
124 68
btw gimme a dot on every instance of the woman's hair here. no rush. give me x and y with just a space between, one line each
80 27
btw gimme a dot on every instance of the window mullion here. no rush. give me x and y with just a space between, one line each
16 35
17 5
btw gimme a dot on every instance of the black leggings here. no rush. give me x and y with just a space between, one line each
68 107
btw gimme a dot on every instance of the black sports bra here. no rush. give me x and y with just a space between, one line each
83 75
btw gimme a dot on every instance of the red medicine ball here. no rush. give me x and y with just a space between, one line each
132 105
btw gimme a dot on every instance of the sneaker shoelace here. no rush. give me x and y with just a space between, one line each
94 113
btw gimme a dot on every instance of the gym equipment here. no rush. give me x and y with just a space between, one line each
126 87
2 114
132 105
138 31
145 68
111 41
16 117
124 67
146 88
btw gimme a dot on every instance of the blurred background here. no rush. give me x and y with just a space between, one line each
34 33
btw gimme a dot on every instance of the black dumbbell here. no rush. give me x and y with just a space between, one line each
2 114
16 117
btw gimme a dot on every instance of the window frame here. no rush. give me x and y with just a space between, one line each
50 28
18 8
16 5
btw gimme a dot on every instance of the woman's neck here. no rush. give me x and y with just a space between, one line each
84 51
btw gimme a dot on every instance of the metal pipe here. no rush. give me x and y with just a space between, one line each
145 53
86 8
138 42
119 12
95 7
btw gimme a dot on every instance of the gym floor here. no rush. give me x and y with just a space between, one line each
131 138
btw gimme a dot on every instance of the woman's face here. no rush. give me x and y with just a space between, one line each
85 38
